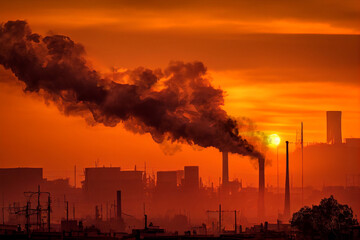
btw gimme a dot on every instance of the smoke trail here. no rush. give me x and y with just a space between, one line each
177 104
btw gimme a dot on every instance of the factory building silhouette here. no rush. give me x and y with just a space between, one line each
191 179
101 183
166 181
15 181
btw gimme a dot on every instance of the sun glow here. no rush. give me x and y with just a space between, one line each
274 140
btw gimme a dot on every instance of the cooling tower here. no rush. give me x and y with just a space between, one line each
333 125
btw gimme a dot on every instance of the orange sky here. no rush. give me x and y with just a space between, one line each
279 64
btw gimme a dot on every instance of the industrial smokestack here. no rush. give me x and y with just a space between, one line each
145 222
261 199
118 205
225 169
287 186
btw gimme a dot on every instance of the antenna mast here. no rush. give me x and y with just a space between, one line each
302 163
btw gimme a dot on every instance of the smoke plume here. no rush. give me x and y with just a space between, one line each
177 104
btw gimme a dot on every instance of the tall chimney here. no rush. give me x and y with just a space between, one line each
145 221
225 170
118 205
261 199
287 187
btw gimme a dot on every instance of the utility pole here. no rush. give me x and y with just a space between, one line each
219 218
38 210
27 216
49 210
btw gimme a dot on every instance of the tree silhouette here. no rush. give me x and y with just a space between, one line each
327 219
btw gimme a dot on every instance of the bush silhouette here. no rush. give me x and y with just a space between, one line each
328 219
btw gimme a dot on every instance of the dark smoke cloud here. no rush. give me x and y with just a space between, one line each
176 104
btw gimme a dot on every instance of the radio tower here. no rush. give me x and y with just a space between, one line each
302 163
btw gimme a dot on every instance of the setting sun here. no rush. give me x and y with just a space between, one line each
274 140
